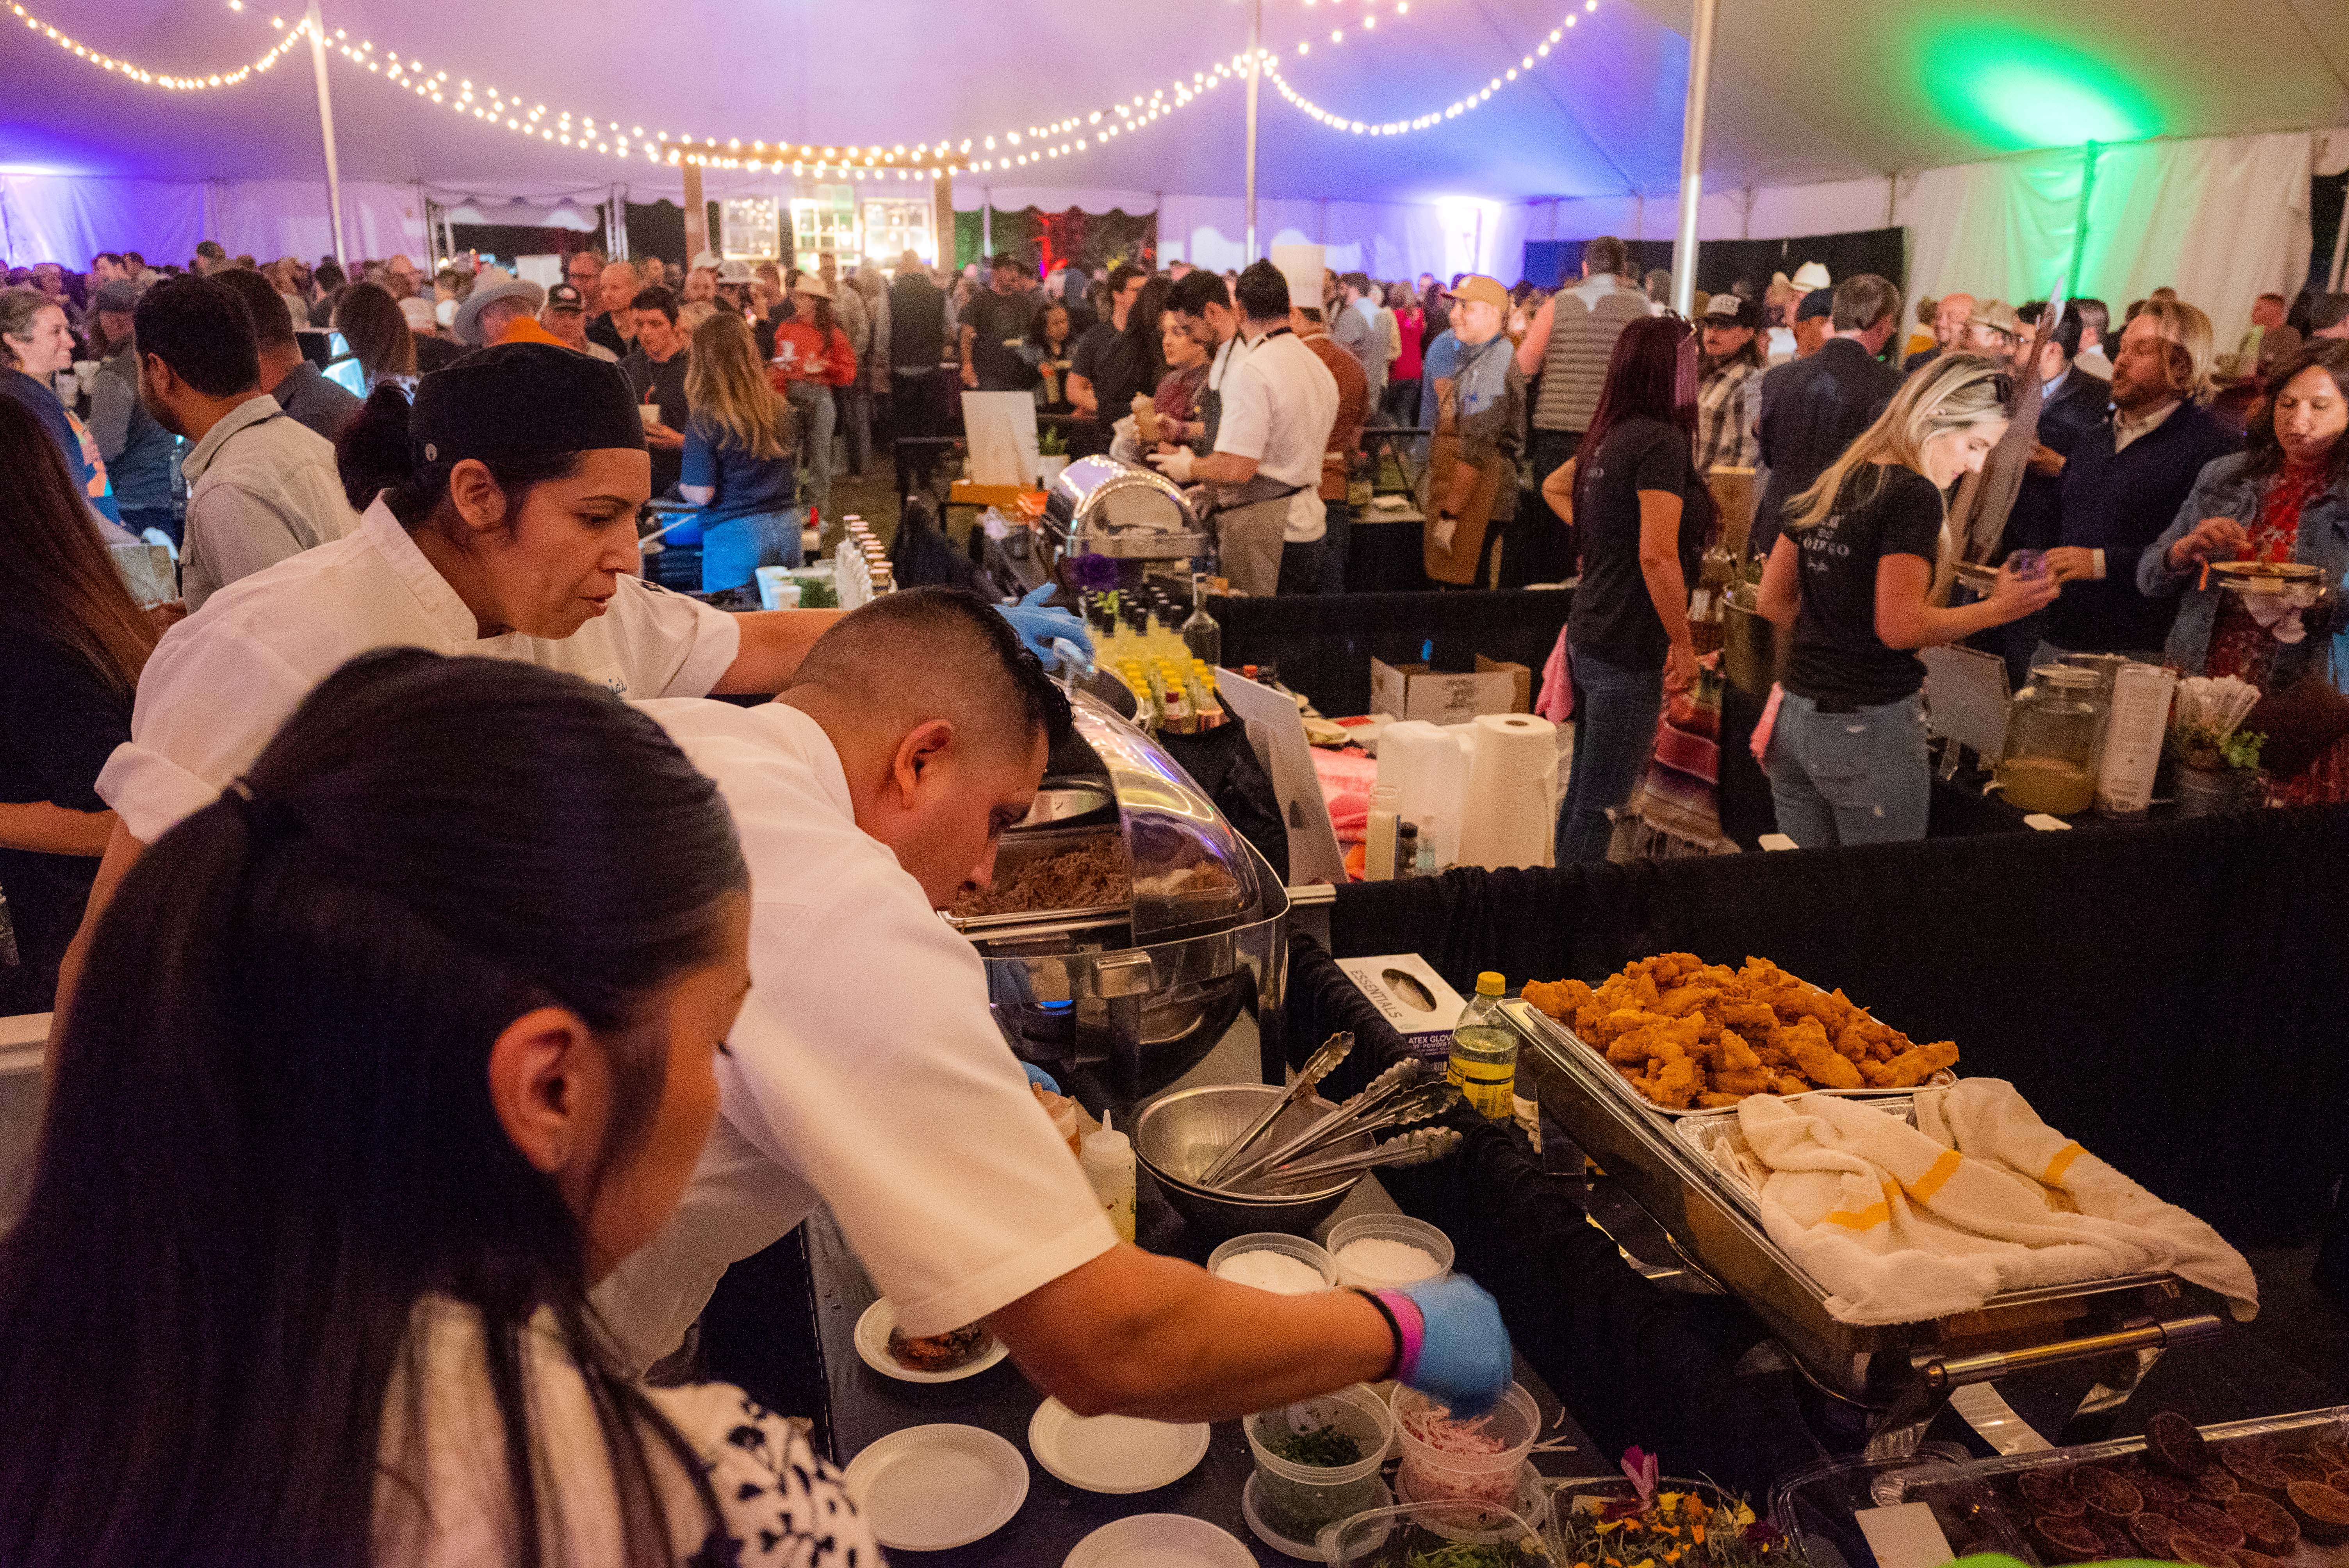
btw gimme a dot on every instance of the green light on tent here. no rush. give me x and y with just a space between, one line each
2013 90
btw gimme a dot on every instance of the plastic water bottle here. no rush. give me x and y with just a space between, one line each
1483 1065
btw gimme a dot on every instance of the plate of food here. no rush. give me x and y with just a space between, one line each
2270 570
940 1358
1688 1037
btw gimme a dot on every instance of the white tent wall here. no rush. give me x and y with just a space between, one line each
2220 219
69 217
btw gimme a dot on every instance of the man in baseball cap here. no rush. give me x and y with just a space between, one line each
501 308
1729 391
1813 322
564 314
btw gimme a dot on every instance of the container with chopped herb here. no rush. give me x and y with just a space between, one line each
1317 1462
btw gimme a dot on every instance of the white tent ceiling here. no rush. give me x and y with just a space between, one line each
1805 90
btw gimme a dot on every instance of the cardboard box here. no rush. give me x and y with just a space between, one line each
1409 995
1414 691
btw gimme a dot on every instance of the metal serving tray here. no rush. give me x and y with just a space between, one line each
1896 1373
1973 1477
1564 1035
1026 844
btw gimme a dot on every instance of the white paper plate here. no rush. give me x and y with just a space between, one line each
1112 1453
1159 1540
872 1332
924 1489
1289 1545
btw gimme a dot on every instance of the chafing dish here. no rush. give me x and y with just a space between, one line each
1888 1379
1126 997
1135 517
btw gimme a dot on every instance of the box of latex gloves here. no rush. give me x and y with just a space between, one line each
1411 998
1414 691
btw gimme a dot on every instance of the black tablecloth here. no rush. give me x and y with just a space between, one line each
1324 643
1635 1363
2167 994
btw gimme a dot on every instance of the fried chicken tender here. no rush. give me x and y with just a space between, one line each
1910 1068
1561 1000
1688 1033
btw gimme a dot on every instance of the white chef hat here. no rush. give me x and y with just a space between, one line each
1302 266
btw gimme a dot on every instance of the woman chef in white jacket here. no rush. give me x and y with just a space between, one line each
500 522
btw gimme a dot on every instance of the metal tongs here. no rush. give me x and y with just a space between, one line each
1399 1079
1334 1050
1429 1143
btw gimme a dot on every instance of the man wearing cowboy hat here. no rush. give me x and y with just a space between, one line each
501 308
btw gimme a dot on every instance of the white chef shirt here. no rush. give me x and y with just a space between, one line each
864 1072
221 681
262 487
1280 403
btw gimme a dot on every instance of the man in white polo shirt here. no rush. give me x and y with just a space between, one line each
867 1073
1278 407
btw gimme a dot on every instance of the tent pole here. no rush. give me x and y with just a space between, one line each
1700 85
1255 75
326 129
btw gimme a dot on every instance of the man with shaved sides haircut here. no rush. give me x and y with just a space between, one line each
867 1073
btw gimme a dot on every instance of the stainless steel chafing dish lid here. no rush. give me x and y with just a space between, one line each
1191 871
1100 506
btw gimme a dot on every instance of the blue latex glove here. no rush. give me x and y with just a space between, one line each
1040 1078
1463 1355
1039 626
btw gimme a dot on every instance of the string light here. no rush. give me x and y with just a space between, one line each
1002 152
141 75
1433 118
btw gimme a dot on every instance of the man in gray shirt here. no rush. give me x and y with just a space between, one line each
261 486
1567 345
1354 327
138 451
286 375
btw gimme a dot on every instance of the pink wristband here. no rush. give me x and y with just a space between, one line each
1411 1330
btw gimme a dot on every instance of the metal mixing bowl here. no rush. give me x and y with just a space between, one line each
1178 1135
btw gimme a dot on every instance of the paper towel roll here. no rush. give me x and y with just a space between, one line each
1507 819
1427 764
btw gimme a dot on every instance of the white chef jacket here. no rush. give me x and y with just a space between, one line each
864 1072
221 682
1279 404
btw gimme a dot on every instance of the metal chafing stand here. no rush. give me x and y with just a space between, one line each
1891 1378
1124 998
1130 515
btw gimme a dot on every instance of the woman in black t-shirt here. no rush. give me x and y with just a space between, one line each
72 642
1642 513
1852 572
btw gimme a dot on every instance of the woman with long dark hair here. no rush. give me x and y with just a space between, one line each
384 1076
72 642
2285 498
1852 572
371 322
1641 513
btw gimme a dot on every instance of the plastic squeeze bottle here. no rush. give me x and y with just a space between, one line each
1109 1165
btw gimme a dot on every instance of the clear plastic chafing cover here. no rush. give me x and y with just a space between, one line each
1191 871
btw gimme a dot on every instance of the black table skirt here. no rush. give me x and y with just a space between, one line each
2167 994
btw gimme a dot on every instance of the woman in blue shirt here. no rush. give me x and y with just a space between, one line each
738 458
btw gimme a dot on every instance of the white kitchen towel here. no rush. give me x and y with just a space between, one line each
1903 1223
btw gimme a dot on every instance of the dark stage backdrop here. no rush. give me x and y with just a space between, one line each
1721 262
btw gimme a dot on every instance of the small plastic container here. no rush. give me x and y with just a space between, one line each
1395 1537
1298 1500
1275 1241
1389 1228
1528 1499
1436 1475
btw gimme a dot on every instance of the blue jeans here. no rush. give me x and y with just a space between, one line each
1615 714
1858 778
817 412
734 549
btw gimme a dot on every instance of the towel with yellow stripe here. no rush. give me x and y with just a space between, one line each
1902 1223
